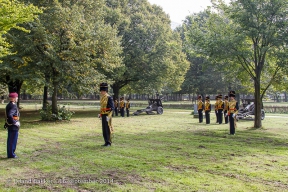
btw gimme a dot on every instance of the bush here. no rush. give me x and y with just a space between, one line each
63 114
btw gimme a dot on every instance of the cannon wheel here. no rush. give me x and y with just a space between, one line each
262 114
160 110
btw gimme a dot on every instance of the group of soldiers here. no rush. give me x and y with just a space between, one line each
121 107
227 108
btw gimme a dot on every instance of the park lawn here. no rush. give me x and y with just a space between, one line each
169 152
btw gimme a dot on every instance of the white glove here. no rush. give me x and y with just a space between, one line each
233 115
107 118
17 124
99 116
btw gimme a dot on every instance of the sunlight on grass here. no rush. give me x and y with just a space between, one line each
169 152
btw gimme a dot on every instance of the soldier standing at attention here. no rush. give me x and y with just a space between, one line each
127 107
106 111
232 112
116 106
200 108
13 124
207 109
220 107
216 110
226 103
122 106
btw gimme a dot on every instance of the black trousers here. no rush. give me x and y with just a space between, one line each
122 112
220 116
226 116
216 113
106 130
200 113
12 138
207 117
127 112
232 124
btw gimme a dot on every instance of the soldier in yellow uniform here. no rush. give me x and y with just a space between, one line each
127 106
200 108
220 107
106 111
122 106
232 112
226 103
207 109
216 108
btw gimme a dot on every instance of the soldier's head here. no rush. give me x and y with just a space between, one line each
219 96
226 97
103 88
232 94
199 97
13 97
207 98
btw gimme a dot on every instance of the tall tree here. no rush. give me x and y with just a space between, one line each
69 43
13 13
151 51
248 33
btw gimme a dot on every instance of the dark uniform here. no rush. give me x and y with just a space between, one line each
122 106
115 107
216 110
207 110
220 107
232 112
200 108
226 103
127 106
106 111
13 125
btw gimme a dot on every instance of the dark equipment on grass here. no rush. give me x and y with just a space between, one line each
154 105
248 110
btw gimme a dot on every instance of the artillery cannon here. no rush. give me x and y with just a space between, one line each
154 105
248 110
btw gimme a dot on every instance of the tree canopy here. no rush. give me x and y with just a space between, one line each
248 35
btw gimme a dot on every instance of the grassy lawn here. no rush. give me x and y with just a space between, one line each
169 152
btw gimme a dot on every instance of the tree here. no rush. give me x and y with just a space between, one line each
249 33
69 43
151 50
13 13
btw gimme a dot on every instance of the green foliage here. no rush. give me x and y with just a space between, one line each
63 114
151 50
248 36
13 13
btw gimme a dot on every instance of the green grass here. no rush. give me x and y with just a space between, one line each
169 152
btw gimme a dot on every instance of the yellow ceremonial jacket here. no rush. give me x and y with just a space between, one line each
200 104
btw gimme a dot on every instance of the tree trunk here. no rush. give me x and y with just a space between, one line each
258 103
285 96
54 98
14 86
45 98
116 90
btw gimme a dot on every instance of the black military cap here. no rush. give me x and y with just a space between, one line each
220 96
103 87
232 94
207 98
226 96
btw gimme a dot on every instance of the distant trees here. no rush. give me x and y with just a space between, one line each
152 53
250 36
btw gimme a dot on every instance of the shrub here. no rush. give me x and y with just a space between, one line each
63 114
